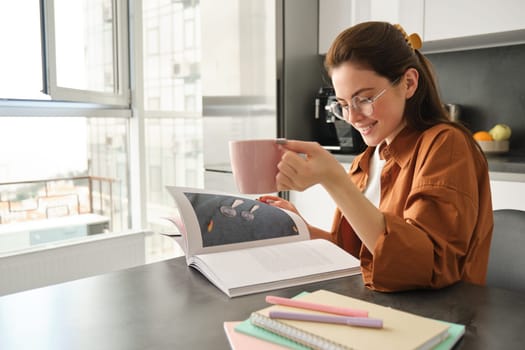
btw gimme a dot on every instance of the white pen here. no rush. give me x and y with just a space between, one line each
346 320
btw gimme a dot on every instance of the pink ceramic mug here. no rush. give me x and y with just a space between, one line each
254 164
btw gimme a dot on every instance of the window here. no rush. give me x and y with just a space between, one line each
172 102
86 45
66 107
21 58
83 57
62 166
64 115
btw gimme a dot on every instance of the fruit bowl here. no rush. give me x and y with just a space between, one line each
494 147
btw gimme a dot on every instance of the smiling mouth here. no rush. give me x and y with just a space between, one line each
366 129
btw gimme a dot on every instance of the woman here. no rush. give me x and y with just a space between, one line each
415 207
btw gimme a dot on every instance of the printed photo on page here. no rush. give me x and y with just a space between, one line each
220 221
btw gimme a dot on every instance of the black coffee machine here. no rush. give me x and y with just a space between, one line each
332 133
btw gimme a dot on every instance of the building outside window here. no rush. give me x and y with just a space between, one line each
67 115
172 103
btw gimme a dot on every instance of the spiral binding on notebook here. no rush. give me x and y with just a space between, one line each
301 337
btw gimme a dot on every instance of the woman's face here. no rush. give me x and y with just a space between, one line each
386 119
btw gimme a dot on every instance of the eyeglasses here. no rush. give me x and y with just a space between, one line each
360 104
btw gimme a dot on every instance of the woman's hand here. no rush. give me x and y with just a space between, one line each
306 164
315 232
279 202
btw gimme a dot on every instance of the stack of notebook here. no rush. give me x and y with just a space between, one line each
373 327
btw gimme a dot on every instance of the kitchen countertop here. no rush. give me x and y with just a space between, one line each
507 163
167 305
502 167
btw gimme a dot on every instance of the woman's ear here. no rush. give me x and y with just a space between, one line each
411 82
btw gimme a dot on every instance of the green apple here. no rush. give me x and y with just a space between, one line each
500 132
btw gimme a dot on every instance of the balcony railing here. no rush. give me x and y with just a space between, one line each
48 198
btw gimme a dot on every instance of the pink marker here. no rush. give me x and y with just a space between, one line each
316 307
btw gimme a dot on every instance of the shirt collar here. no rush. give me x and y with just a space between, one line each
400 150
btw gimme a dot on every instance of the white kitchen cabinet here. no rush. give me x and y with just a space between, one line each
444 25
336 15
408 13
507 194
315 205
447 19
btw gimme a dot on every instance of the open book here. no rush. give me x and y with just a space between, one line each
244 246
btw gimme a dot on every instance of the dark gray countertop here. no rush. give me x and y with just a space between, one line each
507 163
509 167
504 167
168 305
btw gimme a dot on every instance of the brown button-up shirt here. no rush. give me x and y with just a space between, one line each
435 197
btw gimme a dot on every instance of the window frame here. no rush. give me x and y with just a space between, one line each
66 102
121 95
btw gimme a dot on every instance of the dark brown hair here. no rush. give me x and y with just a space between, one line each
383 48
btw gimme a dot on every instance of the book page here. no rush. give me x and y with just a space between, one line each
216 222
272 264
